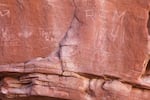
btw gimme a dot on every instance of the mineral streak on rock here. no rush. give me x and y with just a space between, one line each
74 49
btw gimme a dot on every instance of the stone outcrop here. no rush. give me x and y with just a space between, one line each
74 49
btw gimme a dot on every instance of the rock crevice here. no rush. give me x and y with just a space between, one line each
75 49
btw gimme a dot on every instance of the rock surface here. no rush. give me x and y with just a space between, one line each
32 28
74 49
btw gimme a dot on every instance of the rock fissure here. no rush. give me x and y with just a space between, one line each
75 49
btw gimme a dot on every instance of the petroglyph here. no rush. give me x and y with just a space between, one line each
117 28
90 14
4 13
25 34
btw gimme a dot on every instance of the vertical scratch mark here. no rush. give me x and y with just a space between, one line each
117 19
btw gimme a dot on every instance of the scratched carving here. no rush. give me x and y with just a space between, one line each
116 30
7 39
117 19
89 13
54 4
47 34
25 34
102 35
5 12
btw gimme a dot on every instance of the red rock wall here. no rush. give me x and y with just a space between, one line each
74 49
32 28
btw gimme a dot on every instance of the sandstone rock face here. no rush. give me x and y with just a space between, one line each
115 43
74 49
32 28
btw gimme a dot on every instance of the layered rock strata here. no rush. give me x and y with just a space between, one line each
74 49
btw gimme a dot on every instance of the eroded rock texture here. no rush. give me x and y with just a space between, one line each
74 50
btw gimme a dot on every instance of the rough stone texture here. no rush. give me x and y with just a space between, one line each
74 49
32 28
115 43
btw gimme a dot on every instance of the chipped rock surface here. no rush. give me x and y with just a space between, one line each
32 28
74 49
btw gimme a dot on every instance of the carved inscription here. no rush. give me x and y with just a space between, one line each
5 12
8 39
47 34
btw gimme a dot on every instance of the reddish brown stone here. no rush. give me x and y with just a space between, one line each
111 39
46 85
32 28
74 49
